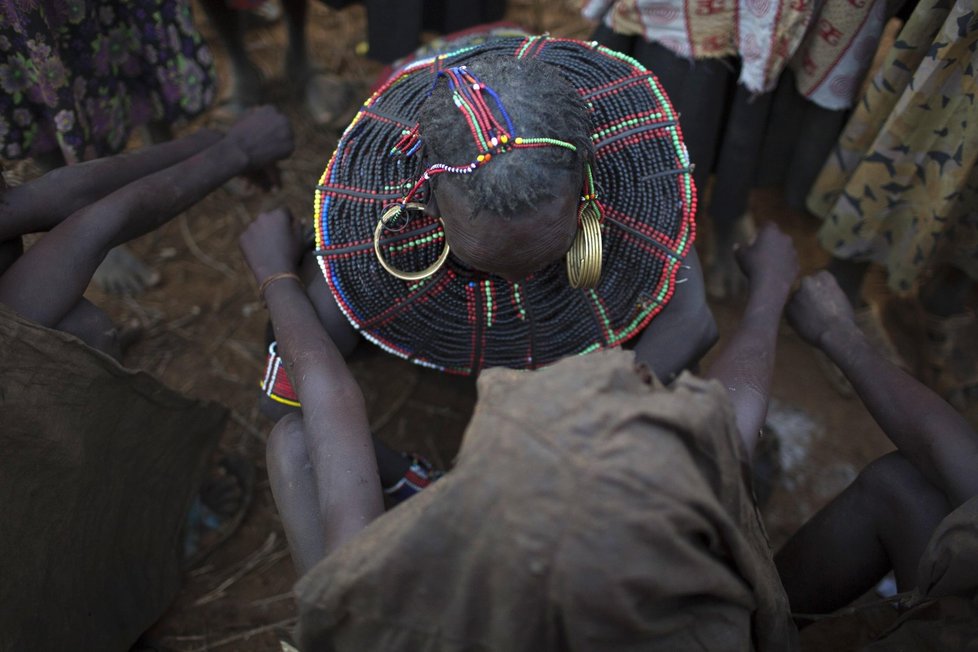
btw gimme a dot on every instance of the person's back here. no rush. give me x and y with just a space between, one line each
616 517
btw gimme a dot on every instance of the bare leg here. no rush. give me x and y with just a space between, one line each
296 492
325 96
391 465
92 326
296 58
10 250
882 521
246 78
886 518
334 429
685 329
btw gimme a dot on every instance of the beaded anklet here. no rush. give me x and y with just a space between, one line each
275 383
418 476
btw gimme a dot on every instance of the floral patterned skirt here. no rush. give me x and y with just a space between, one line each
78 75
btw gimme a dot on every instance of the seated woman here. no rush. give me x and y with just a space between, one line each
87 209
619 512
104 479
506 205
620 517
511 204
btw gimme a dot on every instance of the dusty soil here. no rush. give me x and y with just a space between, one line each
205 330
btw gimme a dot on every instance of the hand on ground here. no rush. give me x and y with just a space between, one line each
817 307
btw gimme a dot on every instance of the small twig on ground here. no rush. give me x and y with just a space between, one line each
395 405
242 213
162 364
218 369
198 253
433 451
437 410
187 638
180 322
264 602
200 571
248 427
149 317
251 355
250 563
245 635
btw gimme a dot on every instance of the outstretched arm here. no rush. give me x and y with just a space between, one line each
928 431
45 202
334 419
746 364
48 280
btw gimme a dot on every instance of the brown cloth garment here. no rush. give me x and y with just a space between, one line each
587 511
98 468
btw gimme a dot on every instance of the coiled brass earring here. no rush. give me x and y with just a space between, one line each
584 256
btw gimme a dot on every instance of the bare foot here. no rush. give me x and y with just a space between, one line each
329 100
246 91
219 508
122 273
723 277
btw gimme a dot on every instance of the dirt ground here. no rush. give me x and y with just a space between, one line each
205 330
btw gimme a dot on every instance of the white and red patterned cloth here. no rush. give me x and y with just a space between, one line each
829 45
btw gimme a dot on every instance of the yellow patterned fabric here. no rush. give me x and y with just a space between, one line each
901 187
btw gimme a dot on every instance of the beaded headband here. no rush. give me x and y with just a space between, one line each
491 135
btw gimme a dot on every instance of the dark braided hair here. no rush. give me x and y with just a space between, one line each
542 104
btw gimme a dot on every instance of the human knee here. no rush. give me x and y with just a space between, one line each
286 451
891 481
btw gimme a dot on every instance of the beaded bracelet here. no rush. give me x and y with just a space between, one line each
275 277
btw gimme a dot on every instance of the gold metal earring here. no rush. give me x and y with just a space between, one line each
389 215
584 256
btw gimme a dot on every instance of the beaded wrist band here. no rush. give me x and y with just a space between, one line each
275 277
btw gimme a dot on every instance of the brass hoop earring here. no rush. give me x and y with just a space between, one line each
389 214
584 256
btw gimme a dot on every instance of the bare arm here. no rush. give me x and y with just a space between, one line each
47 281
745 365
334 418
43 203
928 431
